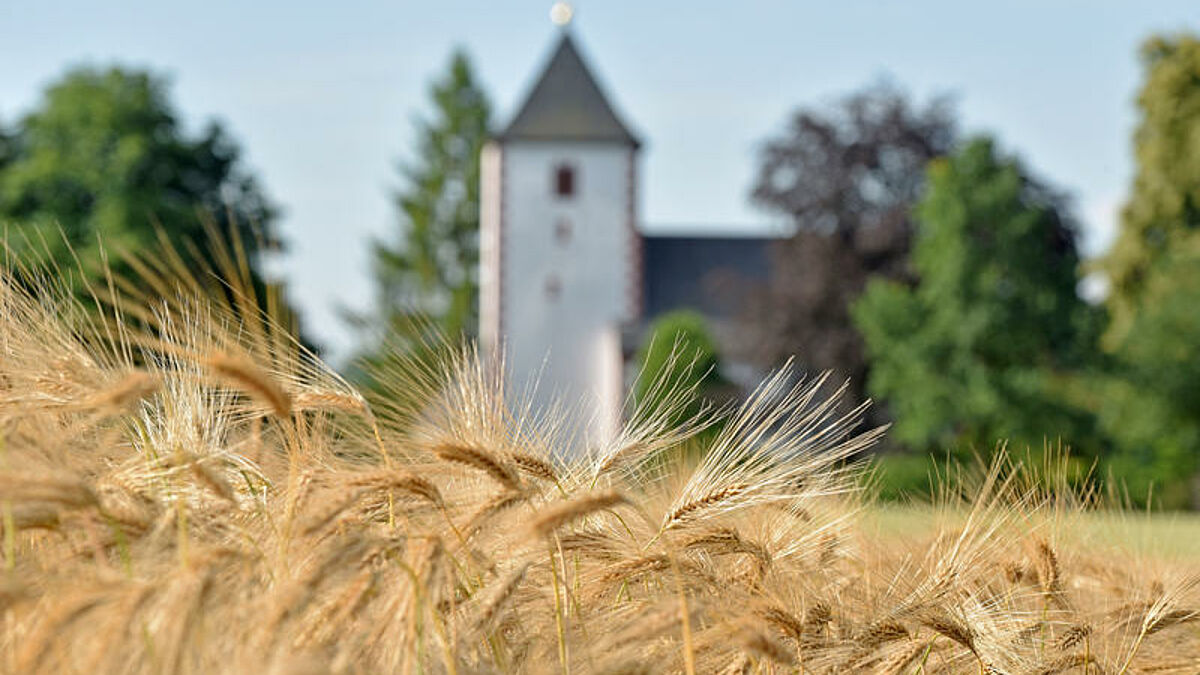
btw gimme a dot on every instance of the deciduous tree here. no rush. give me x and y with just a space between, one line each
103 160
973 354
1151 402
846 179
1163 210
679 356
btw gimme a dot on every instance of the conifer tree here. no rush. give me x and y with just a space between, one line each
426 276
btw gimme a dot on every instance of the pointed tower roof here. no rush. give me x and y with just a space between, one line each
566 103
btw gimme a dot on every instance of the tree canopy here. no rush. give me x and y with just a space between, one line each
971 353
426 276
103 160
678 355
1150 405
846 178
1163 210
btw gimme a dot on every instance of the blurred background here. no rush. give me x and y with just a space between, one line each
984 216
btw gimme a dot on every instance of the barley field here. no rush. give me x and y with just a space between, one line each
200 495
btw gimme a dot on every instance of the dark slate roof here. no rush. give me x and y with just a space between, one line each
707 274
566 103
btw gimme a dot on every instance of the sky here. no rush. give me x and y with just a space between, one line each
322 96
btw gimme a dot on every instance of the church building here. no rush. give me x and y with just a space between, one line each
568 281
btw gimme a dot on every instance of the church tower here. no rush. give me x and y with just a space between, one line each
560 254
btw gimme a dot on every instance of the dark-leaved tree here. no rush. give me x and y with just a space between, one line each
846 179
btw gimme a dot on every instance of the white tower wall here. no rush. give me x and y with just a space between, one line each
565 268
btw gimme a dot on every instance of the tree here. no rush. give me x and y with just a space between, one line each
846 178
1151 404
8 147
427 278
973 354
1164 208
679 355
102 161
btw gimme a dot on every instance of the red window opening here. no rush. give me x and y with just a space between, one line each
564 181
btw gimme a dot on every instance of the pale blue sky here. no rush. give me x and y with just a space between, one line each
321 95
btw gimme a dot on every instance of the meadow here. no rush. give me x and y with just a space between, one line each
200 495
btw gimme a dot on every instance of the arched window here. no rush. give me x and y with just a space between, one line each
564 181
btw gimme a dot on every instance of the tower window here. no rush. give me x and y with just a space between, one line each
553 287
564 181
562 232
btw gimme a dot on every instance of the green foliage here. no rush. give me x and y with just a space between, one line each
103 160
903 475
960 366
1163 211
974 353
8 147
427 278
678 354
845 177
1150 402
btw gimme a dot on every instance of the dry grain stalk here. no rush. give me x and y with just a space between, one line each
478 458
551 518
244 374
